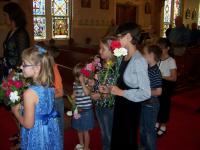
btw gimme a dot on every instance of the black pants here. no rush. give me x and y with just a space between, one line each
165 101
125 125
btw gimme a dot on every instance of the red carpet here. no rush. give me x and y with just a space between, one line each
183 128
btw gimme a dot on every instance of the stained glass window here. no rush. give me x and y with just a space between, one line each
172 9
39 28
39 19
199 17
167 15
60 21
55 15
38 7
177 9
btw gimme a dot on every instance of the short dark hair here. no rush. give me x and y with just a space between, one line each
15 14
133 29
165 43
156 50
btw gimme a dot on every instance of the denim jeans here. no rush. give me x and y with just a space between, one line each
105 119
59 106
149 113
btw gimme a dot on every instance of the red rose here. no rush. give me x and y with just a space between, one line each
8 92
18 84
114 45
10 82
85 73
4 84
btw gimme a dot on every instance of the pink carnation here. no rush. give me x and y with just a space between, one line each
90 67
77 115
97 60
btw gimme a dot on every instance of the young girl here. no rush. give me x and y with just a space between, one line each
83 101
167 66
40 129
104 103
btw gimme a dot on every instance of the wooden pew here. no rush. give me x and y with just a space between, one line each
189 64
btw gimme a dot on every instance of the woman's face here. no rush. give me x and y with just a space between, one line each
104 52
124 40
7 19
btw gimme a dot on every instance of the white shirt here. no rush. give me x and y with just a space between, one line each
166 66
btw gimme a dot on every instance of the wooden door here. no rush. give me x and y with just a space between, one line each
126 13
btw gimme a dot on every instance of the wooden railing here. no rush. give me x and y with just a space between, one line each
188 65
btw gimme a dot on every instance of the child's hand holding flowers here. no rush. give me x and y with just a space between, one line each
95 96
82 80
104 89
74 110
15 109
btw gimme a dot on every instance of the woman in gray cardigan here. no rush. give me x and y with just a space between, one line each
133 87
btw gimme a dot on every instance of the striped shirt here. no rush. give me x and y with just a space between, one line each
82 101
155 77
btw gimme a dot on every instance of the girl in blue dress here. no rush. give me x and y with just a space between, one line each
40 129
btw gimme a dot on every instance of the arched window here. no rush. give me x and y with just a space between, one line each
199 17
172 9
51 19
39 19
167 15
177 9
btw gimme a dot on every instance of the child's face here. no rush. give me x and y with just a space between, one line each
91 82
104 52
164 49
29 70
148 56
83 79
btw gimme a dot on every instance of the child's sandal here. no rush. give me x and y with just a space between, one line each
161 132
79 147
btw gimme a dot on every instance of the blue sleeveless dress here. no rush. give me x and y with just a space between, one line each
45 134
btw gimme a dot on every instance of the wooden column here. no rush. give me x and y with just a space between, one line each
28 9
156 6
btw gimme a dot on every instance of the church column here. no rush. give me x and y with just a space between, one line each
28 7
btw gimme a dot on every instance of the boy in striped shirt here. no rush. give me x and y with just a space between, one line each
150 107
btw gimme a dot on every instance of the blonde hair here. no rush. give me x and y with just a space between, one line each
77 71
106 41
46 62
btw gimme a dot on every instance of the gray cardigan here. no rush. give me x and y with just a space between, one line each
136 77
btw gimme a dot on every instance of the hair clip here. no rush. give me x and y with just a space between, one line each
41 49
